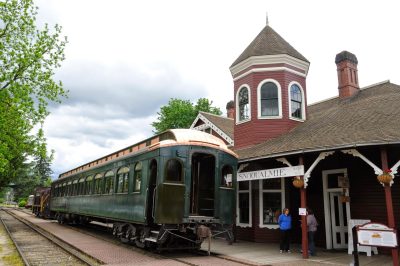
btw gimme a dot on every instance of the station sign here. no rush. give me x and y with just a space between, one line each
271 173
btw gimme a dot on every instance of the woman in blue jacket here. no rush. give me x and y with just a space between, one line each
285 224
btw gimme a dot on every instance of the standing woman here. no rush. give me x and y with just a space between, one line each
285 224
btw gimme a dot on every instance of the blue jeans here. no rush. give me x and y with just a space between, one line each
311 243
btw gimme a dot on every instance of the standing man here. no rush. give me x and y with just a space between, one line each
285 224
311 228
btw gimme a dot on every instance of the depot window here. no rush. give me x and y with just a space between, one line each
269 100
272 201
174 171
297 105
243 104
244 204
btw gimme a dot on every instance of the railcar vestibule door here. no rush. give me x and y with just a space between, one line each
151 195
202 192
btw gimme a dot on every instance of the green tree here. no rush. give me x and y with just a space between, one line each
28 58
181 113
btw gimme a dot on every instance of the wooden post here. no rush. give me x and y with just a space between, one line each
389 205
303 204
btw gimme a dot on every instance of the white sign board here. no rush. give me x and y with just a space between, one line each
367 249
302 211
374 234
271 173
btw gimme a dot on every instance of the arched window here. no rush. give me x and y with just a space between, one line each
122 180
226 176
296 102
269 100
137 175
243 109
174 171
98 183
69 188
75 187
81 186
89 185
64 189
109 182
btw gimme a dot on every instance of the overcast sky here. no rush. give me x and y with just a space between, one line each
125 59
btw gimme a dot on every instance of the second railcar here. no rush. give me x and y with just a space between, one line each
168 191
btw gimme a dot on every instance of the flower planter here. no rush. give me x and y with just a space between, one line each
297 182
385 178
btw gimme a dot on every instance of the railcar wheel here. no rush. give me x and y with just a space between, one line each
141 235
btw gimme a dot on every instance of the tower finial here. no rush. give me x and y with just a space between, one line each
267 20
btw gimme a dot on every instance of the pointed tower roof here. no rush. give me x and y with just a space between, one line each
268 42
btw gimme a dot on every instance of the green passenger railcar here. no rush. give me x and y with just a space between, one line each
169 191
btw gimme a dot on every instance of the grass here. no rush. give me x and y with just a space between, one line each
11 257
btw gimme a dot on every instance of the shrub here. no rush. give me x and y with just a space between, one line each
22 203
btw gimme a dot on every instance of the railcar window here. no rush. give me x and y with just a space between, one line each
97 183
138 176
122 180
81 186
88 185
173 171
64 189
69 188
75 188
109 182
227 175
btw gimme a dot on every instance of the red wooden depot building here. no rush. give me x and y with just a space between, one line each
344 143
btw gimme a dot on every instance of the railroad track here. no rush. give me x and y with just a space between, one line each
37 247
193 258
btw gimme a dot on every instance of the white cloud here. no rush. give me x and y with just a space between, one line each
127 58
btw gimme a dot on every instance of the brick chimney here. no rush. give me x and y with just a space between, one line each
230 109
346 63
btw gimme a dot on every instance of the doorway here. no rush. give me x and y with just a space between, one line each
150 196
202 185
336 208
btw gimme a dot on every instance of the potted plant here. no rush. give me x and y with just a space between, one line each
386 177
298 182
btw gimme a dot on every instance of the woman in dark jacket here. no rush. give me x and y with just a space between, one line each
285 224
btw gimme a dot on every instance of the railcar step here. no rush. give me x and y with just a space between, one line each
155 232
151 239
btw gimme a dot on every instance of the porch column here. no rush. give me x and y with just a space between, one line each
303 204
389 205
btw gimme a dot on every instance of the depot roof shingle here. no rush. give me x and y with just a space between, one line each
371 116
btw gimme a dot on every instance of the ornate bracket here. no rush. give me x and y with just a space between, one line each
242 166
320 157
284 161
355 153
395 168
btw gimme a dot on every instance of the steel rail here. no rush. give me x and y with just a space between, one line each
21 254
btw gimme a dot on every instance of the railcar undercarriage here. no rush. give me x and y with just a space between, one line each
171 236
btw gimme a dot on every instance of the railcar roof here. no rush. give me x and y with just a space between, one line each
170 137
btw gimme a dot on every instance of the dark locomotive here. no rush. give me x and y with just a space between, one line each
167 192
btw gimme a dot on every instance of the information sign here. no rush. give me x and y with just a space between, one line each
375 234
